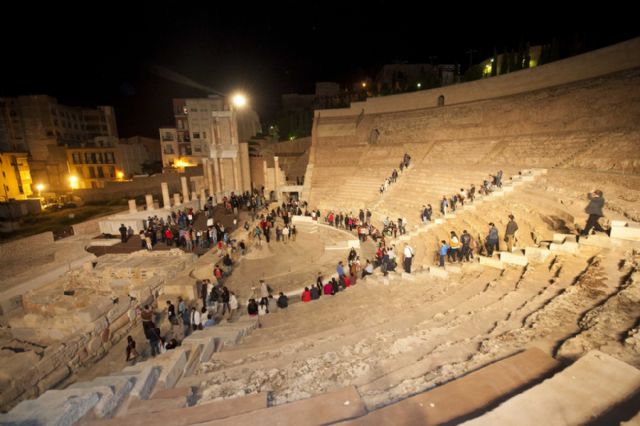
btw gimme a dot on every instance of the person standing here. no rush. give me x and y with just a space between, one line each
123 233
594 210
408 257
492 239
132 353
510 233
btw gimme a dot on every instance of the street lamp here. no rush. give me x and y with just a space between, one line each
239 100
73 182
39 188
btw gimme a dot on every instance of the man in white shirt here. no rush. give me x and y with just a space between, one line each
408 257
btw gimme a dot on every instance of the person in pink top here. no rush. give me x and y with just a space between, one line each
306 295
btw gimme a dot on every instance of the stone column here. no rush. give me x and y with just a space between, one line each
176 199
221 170
276 172
132 206
149 200
194 201
212 184
203 198
166 200
185 189
237 187
205 172
216 172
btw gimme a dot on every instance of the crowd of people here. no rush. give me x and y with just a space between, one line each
406 160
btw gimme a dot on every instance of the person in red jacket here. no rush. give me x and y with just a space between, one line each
306 295
328 288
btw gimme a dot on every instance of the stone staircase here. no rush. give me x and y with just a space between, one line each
139 389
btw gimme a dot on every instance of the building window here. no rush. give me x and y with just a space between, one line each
168 149
197 148
100 159
92 172
80 171
112 172
20 189
204 135
441 100
194 109
76 158
196 135
100 172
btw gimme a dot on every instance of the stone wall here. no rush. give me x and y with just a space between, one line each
138 186
619 57
23 247
59 333
89 227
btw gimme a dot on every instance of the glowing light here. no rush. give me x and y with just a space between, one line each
119 174
39 187
239 100
180 163
73 182
364 84
419 85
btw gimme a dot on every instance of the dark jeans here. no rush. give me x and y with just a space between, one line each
442 260
592 222
407 264
491 246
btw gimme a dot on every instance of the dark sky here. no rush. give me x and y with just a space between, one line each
103 53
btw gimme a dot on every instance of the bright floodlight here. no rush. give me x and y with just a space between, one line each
73 182
239 100
39 187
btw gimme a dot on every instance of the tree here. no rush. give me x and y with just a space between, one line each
527 56
473 73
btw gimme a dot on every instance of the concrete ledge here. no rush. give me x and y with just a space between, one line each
513 259
103 242
628 232
54 407
536 254
438 272
307 220
601 241
145 382
490 262
408 277
448 403
172 368
326 408
577 395
569 247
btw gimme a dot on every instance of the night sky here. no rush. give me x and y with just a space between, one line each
123 54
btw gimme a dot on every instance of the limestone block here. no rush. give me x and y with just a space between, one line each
528 178
630 233
513 259
145 382
567 247
208 345
615 223
113 391
438 272
490 262
536 254
453 269
408 277
53 408
597 240
560 238
172 367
